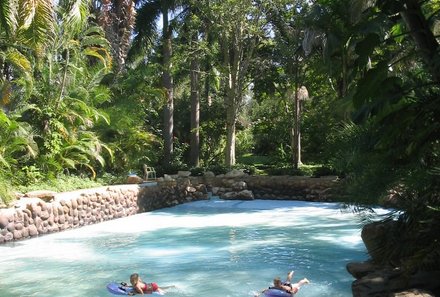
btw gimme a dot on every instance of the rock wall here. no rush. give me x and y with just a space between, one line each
236 185
170 193
32 216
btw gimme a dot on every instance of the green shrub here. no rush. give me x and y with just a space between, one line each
173 168
110 179
285 171
218 169
324 171
6 194
197 171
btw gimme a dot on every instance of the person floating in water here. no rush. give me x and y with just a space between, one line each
287 286
141 287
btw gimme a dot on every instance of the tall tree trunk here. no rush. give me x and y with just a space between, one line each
297 138
167 83
232 98
296 148
423 37
195 113
231 115
117 18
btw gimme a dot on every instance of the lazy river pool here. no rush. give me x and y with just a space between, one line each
210 248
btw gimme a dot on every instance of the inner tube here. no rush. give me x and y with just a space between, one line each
122 289
119 289
276 293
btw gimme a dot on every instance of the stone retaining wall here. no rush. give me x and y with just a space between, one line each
302 188
33 216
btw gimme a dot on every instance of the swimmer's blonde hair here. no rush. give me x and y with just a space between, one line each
134 277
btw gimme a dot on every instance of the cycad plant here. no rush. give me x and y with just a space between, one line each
64 105
16 146
25 28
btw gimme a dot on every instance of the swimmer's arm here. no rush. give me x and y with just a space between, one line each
138 289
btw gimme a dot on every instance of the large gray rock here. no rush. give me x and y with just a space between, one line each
373 235
241 195
388 282
183 173
235 173
239 186
208 174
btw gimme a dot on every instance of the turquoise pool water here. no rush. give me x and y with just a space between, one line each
209 248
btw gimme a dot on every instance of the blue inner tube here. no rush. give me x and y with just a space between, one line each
119 289
276 293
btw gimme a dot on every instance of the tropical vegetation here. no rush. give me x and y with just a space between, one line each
95 89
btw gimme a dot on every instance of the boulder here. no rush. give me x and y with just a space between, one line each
183 173
208 174
3 221
235 173
361 269
239 186
134 179
389 282
18 234
44 195
201 188
167 177
373 235
215 191
190 189
242 195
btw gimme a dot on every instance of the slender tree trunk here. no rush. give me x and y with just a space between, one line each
297 132
232 99
423 37
229 84
231 115
63 82
195 114
296 148
167 83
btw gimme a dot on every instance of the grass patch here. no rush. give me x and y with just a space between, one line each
62 183
250 159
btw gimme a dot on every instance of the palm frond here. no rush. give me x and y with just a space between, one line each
19 61
145 29
35 23
100 53
76 15
8 20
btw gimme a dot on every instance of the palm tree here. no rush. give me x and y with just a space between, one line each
25 27
65 99
117 18
147 16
